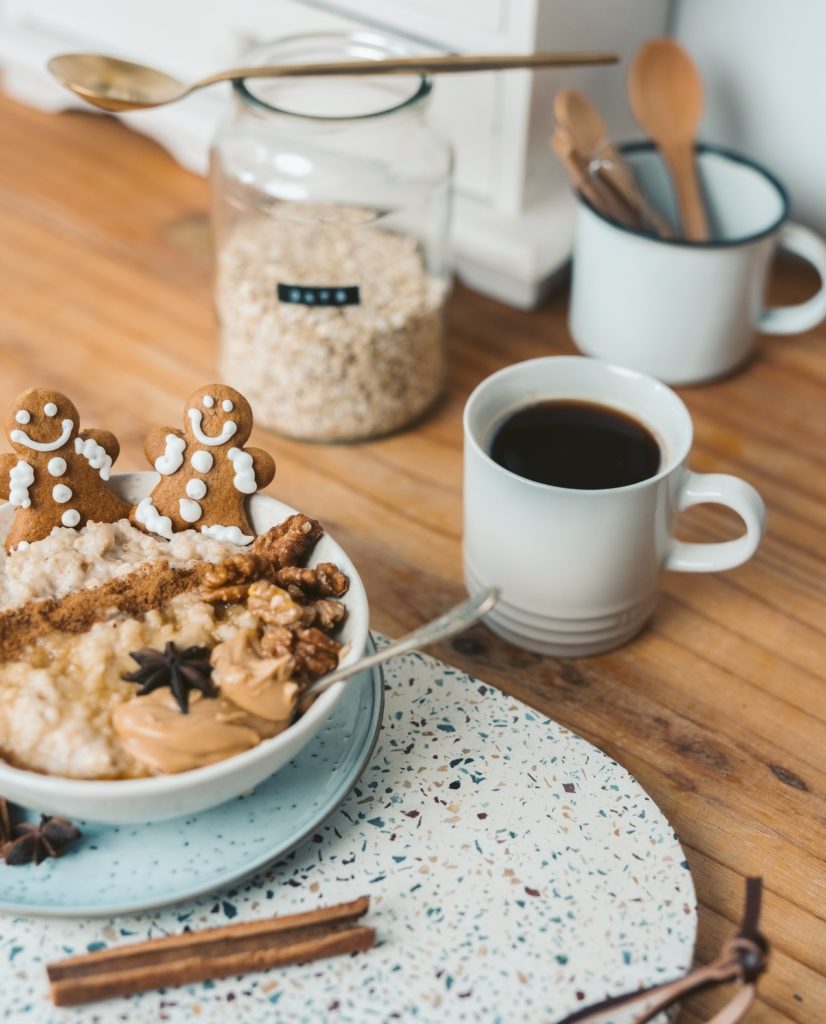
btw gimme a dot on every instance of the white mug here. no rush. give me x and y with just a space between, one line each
579 571
687 312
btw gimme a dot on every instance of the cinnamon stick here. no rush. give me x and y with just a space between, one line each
213 953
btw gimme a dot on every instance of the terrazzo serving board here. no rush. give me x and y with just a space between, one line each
515 873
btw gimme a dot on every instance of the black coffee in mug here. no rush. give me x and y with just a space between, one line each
576 444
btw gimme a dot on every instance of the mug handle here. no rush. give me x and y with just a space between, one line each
795 319
736 494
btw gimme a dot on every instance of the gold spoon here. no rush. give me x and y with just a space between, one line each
666 95
114 84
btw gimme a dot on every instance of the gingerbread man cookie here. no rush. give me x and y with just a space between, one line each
206 473
57 474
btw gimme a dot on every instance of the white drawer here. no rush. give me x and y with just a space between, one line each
178 37
434 19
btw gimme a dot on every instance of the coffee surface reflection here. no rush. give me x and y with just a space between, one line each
575 444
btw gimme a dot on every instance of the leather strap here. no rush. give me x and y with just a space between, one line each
743 959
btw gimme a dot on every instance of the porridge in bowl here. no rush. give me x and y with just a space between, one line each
247 632
159 637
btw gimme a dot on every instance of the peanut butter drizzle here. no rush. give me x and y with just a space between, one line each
257 700
157 735
263 686
152 585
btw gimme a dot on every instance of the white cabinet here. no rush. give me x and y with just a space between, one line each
514 213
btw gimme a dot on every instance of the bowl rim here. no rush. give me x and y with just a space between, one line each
53 786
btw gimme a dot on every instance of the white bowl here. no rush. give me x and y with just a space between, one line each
167 796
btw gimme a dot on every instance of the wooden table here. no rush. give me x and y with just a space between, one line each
719 708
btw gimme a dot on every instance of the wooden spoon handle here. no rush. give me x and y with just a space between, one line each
683 168
596 191
617 171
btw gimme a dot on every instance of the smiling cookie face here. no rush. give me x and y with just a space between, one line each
217 415
56 475
41 420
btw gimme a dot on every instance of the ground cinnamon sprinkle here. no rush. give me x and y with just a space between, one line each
152 585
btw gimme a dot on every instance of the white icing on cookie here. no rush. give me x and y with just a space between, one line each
21 477
228 429
244 479
202 461
71 517
190 511
209 401
56 466
173 456
50 409
196 489
147 515
61 493
227 534
227 405
21 437
22 416
95 455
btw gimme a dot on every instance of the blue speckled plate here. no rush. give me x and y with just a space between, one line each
124 869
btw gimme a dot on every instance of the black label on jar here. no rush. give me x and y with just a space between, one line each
325 295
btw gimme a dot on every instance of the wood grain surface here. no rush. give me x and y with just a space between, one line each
719 708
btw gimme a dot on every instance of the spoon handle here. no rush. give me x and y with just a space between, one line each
442 63
577 171
613 168
683 169
453 621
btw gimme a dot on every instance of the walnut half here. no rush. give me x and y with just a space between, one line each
313 652
327 614
230 580
272 605
289 543
324 580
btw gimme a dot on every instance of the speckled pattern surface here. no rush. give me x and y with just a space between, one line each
515 871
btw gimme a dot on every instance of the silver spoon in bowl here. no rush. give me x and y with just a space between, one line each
455 620
115 85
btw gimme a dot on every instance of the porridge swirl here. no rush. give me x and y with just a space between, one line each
261 617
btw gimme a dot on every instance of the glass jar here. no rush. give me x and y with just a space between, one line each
331 203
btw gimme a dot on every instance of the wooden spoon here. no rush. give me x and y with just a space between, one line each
601 198
666 95
583 123
563 146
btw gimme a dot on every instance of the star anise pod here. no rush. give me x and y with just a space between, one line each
181 671
34 843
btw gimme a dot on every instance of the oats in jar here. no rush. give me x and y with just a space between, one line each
328 372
